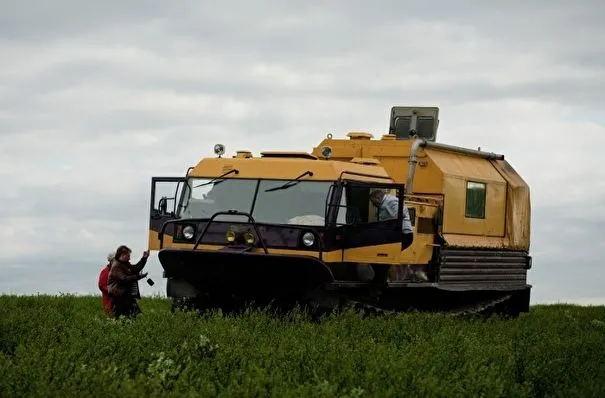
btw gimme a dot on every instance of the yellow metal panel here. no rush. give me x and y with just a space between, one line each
491 242
421 250
455 204
518 209
379 254
457 170
453 209
495 209
284 168
428 178
393 156
153 243
465 166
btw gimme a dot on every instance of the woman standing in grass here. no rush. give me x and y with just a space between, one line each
106 300
123 282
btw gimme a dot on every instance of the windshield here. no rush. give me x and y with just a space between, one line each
206 197
301 203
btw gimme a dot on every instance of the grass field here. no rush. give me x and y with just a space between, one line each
65 346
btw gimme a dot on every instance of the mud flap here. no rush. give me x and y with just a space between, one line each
245 273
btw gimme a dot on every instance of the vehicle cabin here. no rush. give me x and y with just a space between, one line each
276 189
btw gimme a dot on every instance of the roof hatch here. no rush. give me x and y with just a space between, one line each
243 154
354 135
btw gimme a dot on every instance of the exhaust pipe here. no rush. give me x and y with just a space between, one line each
418 142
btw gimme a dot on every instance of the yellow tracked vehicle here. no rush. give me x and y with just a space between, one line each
296 227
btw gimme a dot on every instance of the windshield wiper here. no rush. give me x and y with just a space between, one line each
291 183
236 171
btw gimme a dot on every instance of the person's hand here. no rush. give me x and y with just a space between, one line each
146 254
141 276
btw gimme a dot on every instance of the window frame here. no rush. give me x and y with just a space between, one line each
256 185
341 189
470 209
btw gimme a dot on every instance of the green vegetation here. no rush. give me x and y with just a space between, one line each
65 346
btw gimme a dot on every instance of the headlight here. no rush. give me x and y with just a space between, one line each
230 236
249 237
188 232
308 239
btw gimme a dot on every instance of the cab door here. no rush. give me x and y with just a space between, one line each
166 197
365 239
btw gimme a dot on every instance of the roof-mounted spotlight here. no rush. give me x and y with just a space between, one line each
219 150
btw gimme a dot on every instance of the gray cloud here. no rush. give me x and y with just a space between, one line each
34 20
95 99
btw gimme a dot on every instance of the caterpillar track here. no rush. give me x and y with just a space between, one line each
367 309
424 297
473 309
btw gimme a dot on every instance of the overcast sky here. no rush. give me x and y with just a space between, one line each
96 99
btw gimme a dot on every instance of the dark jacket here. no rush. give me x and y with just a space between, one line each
123 278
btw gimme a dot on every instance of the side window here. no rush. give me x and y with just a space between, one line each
165 196
475 199
362 204
341 218
354 205
357 198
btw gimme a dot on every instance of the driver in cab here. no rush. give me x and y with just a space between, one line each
387 206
